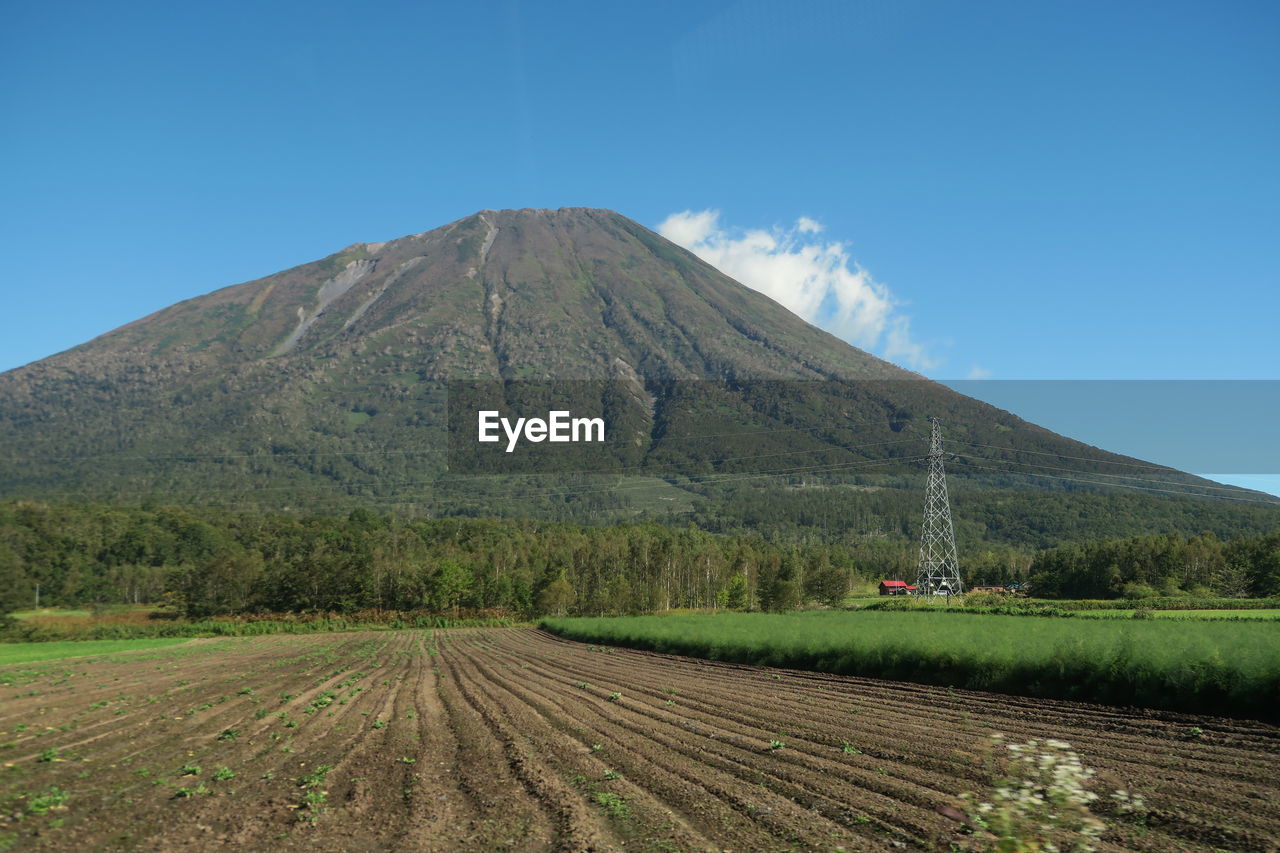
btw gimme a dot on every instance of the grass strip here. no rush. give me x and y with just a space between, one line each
11 653
1214 667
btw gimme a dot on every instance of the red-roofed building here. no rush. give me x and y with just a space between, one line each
896 588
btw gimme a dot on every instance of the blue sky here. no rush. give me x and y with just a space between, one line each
1045 190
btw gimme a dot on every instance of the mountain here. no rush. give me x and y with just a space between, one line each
326 387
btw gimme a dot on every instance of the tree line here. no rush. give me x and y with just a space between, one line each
209 562
1166 565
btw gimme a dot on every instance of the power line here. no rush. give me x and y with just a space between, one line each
962 461
1222 488
655 472
733 476
268 455
725 477
1064 456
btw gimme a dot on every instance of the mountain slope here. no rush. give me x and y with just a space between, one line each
325 385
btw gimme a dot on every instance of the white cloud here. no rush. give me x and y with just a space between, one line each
813 278
978 372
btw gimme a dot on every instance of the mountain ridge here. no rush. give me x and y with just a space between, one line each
314 377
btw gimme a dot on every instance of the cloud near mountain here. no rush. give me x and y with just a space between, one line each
812 277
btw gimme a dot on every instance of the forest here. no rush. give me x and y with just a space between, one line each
208 562
1147 566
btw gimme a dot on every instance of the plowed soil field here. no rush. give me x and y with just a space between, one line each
514 739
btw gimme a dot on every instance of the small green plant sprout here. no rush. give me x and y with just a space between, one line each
615 805
311 806
776 744
595 747
316 777
671 703
612 774
614 697
849 749
49 754
404 759
1041 802
189 770
229 734
379 724
53 798
582 685
1194 732
313 800
222 774
183 793
245 691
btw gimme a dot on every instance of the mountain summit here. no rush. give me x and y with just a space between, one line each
510 294
321 385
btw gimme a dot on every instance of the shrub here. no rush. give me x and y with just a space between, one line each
1139 591
1041 800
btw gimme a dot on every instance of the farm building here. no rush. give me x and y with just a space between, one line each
896 588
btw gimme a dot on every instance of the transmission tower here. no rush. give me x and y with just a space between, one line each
939 570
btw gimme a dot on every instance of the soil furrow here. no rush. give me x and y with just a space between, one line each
489 739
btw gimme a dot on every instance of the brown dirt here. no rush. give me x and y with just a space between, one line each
514 739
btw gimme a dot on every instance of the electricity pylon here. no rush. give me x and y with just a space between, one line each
939 569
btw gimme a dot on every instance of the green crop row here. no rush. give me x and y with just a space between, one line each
1230 668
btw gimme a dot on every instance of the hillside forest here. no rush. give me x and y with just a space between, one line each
207 562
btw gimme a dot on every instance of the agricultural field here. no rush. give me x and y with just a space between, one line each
1195 666
485 739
